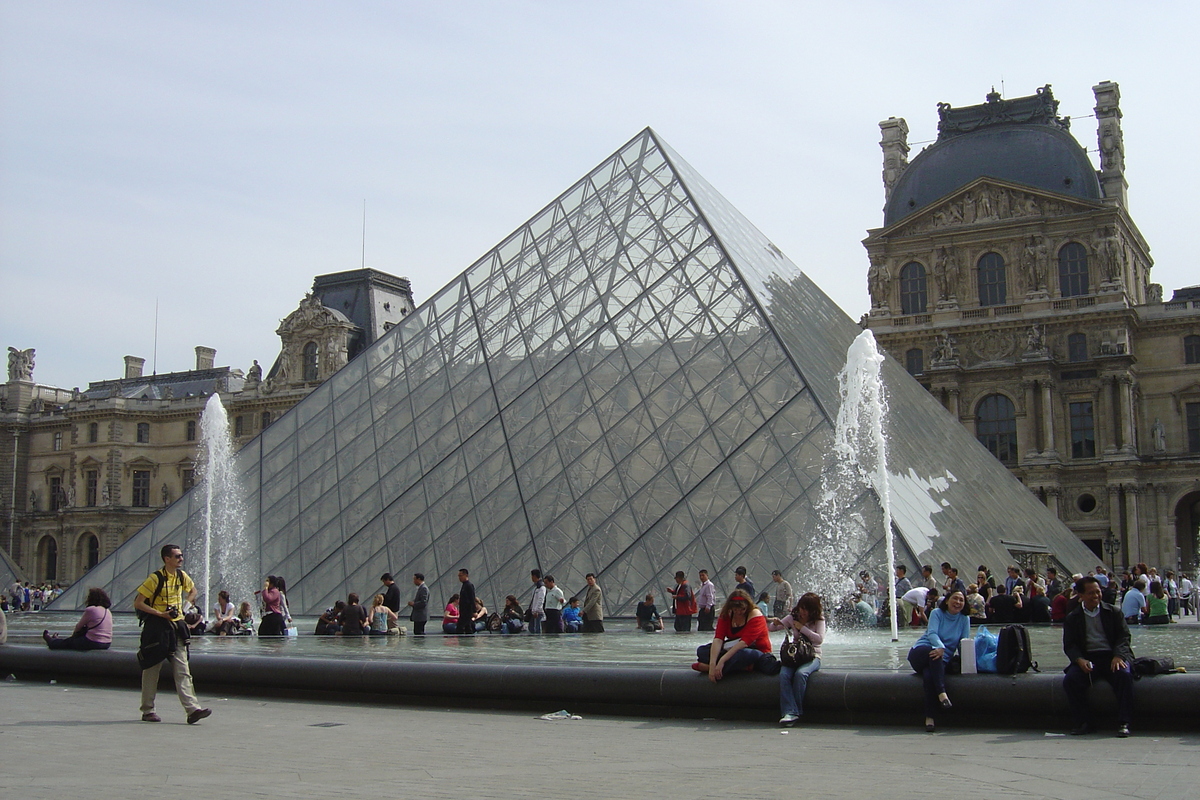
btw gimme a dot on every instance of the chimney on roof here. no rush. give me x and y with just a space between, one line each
133 366
205 357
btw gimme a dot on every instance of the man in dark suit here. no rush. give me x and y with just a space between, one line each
466 603
419 605
1096 640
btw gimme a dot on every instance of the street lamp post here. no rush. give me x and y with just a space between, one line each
1112 545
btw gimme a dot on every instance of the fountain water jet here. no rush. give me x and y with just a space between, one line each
858 465
224 510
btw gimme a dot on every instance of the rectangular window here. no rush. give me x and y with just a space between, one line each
1083 431
58 498
143 433
93 432
191 430
1193 427
141 488
58 439
239 425
189 479
91 483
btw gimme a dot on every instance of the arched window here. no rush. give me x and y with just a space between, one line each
48 558
913 296
996 427
91 546
1072 270
311 361
914 361
1077 347
993 283
1191 349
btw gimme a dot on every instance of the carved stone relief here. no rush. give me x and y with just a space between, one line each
998 346
987 204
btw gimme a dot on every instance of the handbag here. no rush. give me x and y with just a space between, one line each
795 651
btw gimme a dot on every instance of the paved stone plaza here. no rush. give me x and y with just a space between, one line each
73 741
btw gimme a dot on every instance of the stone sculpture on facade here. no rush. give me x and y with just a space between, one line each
879 283
945 349
1159 432
20 364
946 274
1035 343
1109 255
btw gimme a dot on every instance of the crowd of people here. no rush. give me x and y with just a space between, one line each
1095 611
20 596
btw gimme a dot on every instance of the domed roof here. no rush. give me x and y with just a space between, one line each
1035 154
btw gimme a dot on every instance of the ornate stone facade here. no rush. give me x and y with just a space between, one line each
92 467
1026 307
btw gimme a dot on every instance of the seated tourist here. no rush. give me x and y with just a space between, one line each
1159 604
1038 604
648 618
512 619
480 617
224 615
94 629
975 603
327 623
245 621
353 618
380 618
572 617
1002 606
450 615
739 642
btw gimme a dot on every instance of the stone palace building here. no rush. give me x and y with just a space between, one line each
83 470
1011 279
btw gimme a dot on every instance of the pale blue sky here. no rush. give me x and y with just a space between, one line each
216 155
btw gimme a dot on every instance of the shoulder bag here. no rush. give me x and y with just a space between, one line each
795 651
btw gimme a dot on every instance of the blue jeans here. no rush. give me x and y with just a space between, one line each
792 683
744 660
932 672
535 623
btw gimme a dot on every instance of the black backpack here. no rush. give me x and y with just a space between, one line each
1013 652
1147 665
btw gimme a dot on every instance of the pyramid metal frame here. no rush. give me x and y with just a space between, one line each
635 381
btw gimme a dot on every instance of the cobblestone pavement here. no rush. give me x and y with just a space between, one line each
75 741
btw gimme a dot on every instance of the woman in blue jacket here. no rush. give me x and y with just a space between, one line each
933 651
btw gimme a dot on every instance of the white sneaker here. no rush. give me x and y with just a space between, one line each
788 720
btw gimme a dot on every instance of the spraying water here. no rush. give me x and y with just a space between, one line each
226 552
854 474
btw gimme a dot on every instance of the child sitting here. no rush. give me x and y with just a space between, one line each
572 617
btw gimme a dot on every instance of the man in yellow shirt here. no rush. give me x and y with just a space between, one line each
159 599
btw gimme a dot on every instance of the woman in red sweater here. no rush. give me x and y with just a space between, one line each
739 642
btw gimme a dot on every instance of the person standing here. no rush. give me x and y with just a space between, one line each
419 605
903 587
706 603
466 603
391 593
272 623
1096 641
744 583
537 603
683 601
783 594
1186 590
593 606
1053 584
159 600
555 602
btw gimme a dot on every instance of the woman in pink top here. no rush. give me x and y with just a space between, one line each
807 620
450 616
94 629
272 599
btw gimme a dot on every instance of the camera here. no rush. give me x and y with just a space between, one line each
172 612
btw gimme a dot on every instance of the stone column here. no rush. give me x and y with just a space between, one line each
1106 410
1054 500
1125 394
952 395
1032 443
1164 532
1132 532
1049 449
1115 523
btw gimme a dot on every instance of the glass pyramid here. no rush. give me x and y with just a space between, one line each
634 382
